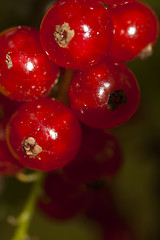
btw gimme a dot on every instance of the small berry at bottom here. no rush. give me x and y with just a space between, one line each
63 199
99 157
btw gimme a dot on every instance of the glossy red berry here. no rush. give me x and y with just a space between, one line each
99 157
105 95
63 199
76 33
8 164
44 134
25 70
135 31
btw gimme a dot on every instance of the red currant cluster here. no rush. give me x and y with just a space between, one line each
93 39
44 134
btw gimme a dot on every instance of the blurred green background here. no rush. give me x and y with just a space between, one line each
137 186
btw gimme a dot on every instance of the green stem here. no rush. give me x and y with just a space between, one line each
24 219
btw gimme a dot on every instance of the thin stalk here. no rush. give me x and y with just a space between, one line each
24 219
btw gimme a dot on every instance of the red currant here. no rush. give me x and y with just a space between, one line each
63 199
135 31
25 70
44 134
76 33
105 95
99 157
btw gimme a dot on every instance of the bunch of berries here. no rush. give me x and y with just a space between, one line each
94 39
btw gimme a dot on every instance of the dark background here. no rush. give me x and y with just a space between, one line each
137 187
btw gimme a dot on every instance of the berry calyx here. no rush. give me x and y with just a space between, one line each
76 33
63 34
116 98
31 147
44 134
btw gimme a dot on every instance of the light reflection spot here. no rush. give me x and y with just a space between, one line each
131 30
30 66
53 134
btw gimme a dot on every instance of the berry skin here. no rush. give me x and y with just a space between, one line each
63 199
105 95
99 157
44 134
76 33
25 71
135 31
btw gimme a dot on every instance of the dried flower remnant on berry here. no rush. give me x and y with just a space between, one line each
31 148
146 52
116 98
9 61
63 34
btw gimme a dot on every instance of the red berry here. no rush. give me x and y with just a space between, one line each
76 33
44 135
99 157
63 199
25 70
105 95
135 31
8 164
